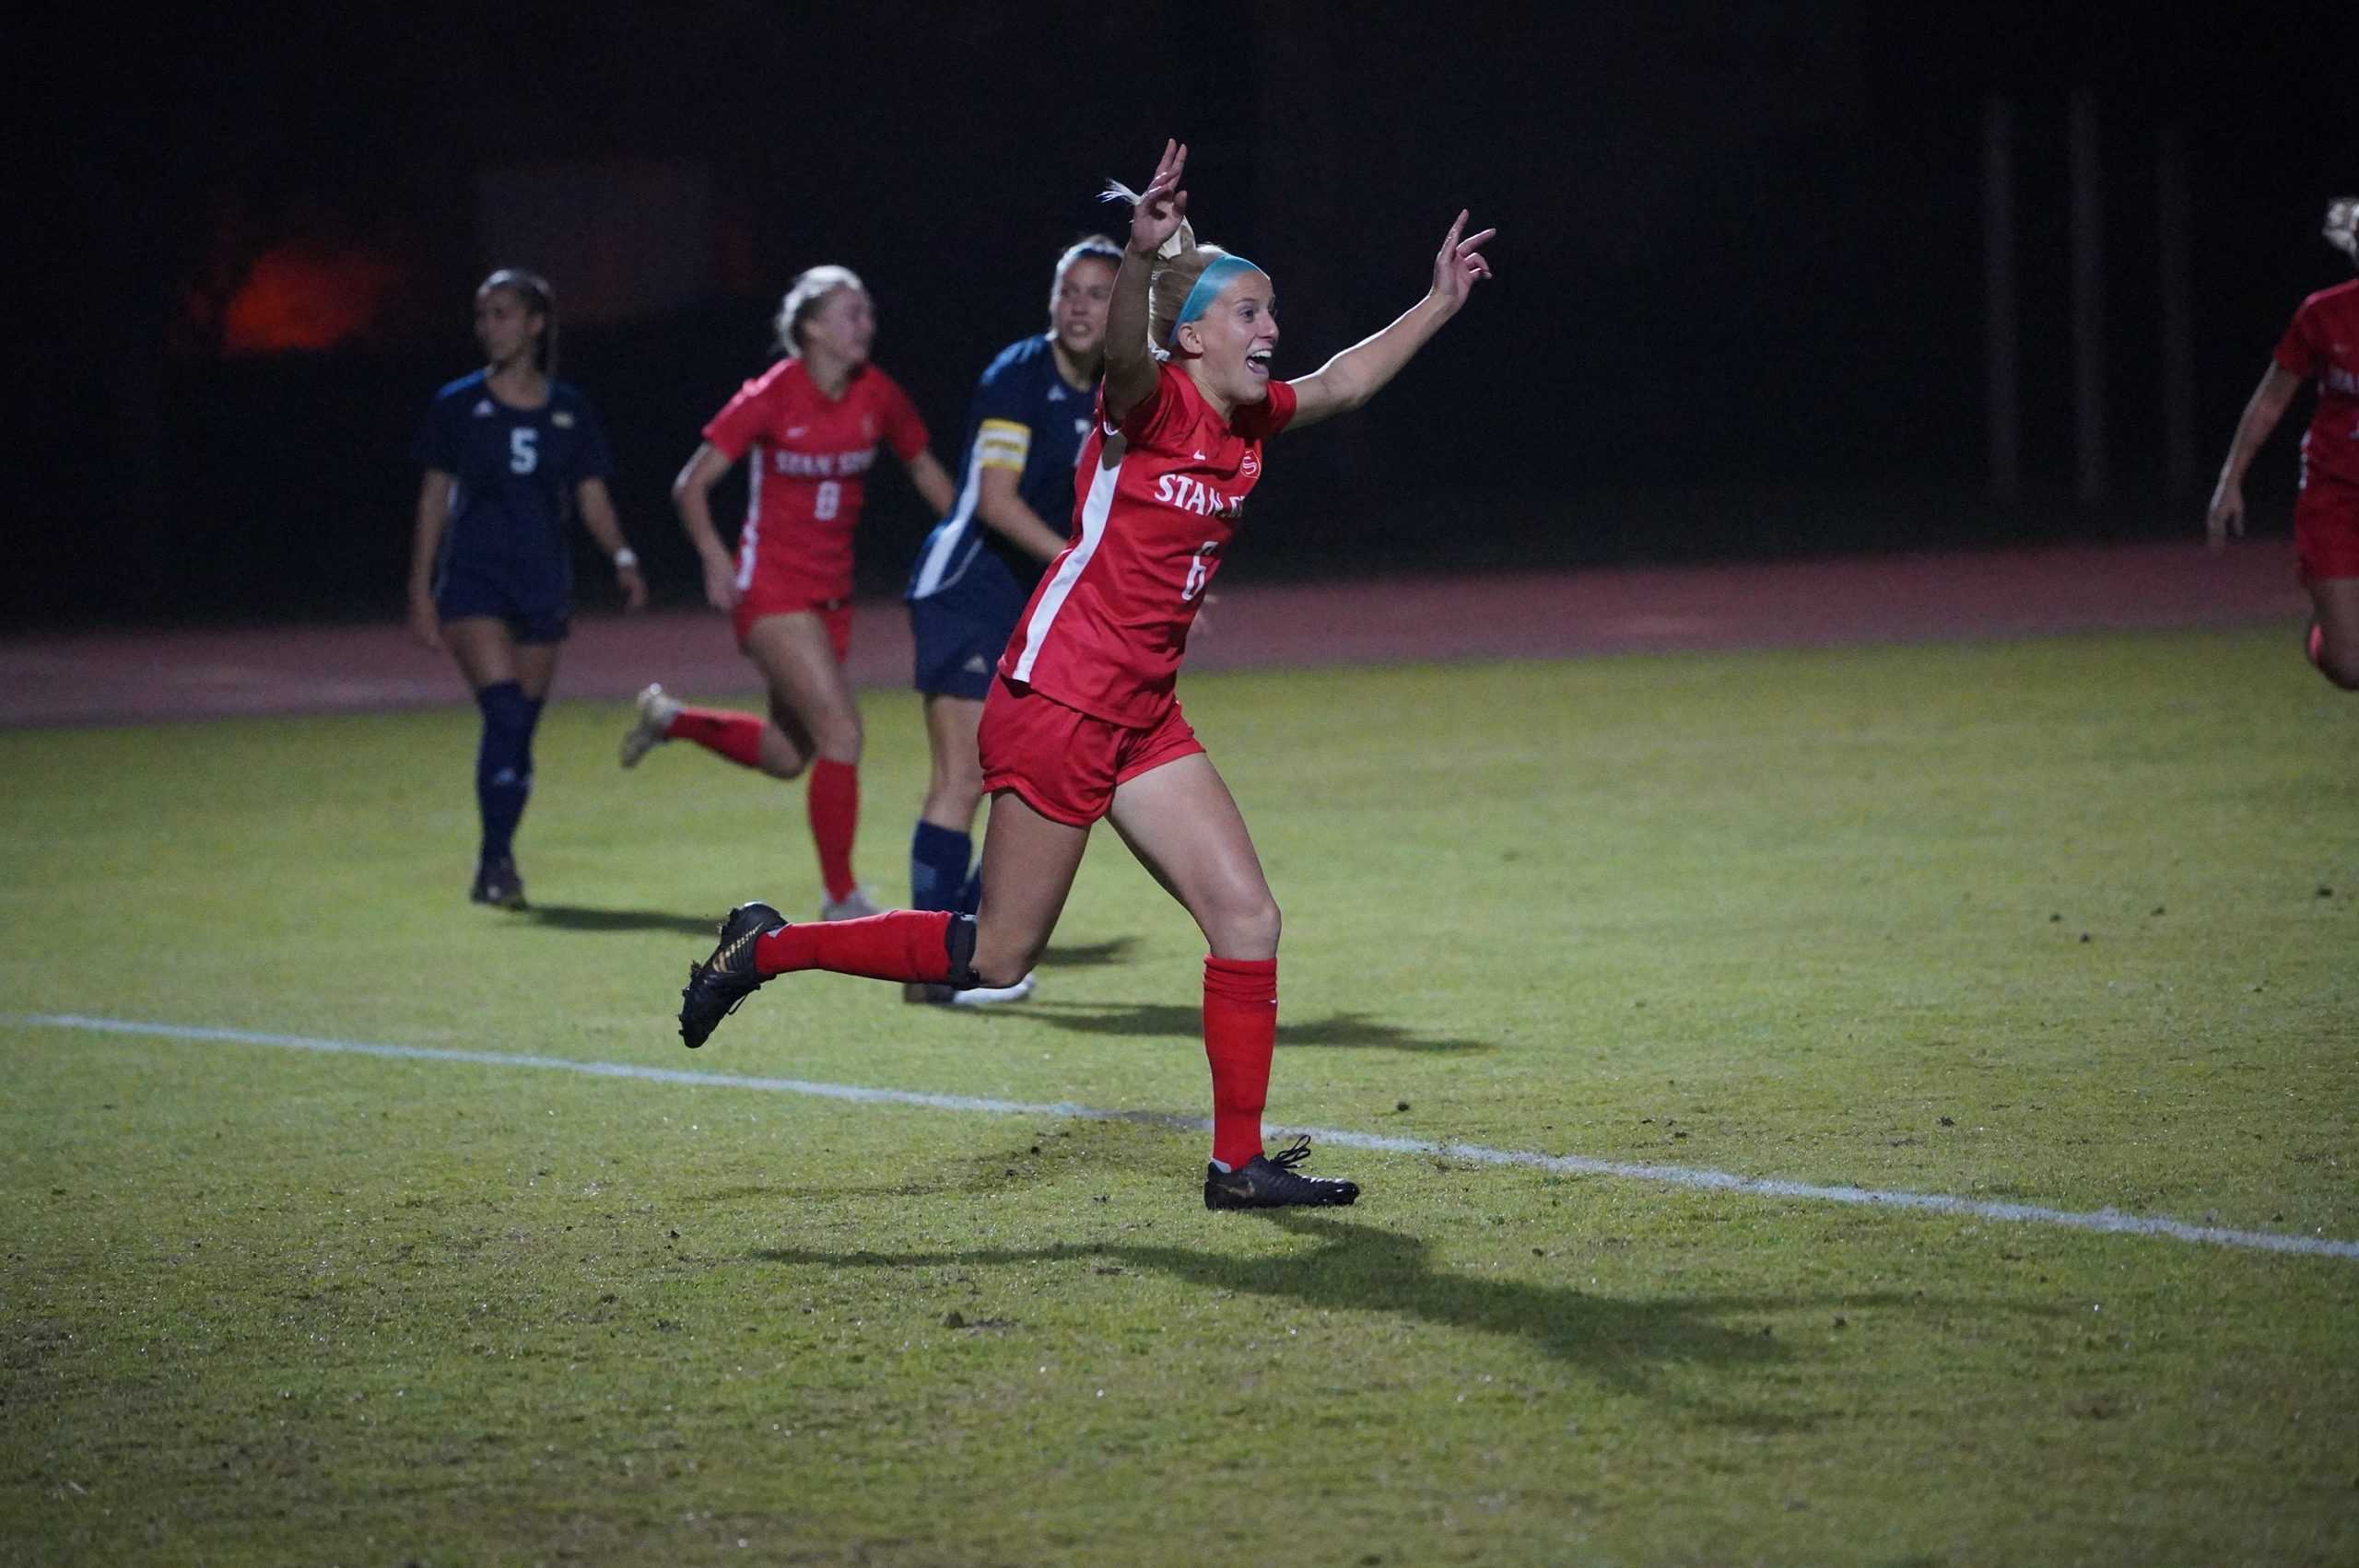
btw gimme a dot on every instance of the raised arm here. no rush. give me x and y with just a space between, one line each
433 516
1131 365
1357 374
692 498
2262 411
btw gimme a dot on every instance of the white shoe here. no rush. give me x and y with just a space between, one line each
988 996
656 712
854 906
974 996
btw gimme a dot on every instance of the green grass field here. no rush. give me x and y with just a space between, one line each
2070 923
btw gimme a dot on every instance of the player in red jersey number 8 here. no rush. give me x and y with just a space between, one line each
1082 722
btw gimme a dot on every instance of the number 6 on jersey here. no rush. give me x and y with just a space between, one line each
1199 570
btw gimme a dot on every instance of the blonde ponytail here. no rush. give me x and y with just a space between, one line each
1180 260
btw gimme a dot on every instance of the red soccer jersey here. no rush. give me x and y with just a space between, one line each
1157 500
2323 344
811 458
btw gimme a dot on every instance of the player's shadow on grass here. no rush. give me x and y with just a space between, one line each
1355 1031
582 917
1361 1268
1054 1151
1088 954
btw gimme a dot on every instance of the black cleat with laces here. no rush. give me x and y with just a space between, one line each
1270 1181
497 883
718 984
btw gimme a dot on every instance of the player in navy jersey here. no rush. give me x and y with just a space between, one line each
510 452
1083 723
981 564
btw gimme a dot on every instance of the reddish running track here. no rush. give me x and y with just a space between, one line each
141 677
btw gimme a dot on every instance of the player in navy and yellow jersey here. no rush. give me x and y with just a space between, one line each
2321 345
510 453
1083 723
808 430
981 564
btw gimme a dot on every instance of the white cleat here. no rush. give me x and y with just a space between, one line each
974 996
854 906
988 996
656 712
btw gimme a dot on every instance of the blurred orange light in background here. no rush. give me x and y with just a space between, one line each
296 297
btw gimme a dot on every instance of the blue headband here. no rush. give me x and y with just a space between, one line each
1208 286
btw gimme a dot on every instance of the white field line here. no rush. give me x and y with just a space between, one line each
2109 1220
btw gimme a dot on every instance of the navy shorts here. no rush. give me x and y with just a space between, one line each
958 646
465 593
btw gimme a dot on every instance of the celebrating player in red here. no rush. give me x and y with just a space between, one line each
812 422
1081 723
2321 345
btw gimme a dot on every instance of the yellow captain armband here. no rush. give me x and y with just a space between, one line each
1003 443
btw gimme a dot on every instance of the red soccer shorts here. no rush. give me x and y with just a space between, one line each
1063 762
781 599
2326 530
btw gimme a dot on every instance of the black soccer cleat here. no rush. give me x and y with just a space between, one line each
718 984
1268 1181
497 882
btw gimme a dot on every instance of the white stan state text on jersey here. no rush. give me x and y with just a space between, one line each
1195 496
823 465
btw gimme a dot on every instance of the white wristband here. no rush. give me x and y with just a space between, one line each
625 559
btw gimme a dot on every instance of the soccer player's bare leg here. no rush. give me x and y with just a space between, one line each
2334 641
799 665
942 847
1032 857
1028 865
805 678
956 786
1183 824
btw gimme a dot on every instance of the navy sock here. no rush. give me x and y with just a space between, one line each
504 764
970 897
937 866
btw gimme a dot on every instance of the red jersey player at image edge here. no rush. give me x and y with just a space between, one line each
2321 346
809 429
510 453
1081 722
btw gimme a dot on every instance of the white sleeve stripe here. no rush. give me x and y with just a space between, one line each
946 534
750 544
1095 509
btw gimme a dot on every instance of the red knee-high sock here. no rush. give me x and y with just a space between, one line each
900 944
737 736
833 800
1240 1031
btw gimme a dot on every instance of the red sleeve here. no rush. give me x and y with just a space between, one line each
742 419
1260 421
904 427
1164 417
2299 352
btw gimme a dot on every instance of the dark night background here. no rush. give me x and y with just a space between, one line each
1739 305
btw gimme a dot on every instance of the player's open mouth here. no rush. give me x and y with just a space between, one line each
1258 362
